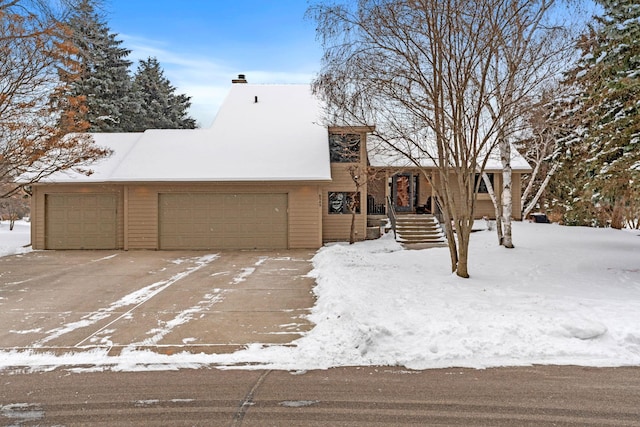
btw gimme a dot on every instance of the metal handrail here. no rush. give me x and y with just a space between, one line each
392 215
438 211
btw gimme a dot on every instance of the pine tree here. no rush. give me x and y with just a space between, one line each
161 107
104 81
606 160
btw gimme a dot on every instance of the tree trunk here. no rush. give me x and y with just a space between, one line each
507 196
617 215
462 270
497 207
451 241
352 234
532 204
463 230
529 188
462 213
499 224
448 217
451 238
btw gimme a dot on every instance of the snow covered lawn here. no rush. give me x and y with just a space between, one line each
14 241
564 296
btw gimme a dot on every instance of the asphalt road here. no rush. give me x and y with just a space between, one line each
384 396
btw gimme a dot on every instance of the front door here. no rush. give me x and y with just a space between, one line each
405 191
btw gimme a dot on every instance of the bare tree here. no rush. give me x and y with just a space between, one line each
14 208
359 176
542 146
34 136
497 206
534 50
431 76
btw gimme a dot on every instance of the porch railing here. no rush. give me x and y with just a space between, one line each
437 212
374 208
392 215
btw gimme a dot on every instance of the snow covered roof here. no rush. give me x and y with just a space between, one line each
384 157
261 133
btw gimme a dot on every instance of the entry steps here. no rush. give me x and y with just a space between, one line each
419 229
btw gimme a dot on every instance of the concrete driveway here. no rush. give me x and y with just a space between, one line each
165 301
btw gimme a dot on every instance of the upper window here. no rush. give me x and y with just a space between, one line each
344 148
483 186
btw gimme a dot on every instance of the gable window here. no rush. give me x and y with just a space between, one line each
342 202
344 148
483 186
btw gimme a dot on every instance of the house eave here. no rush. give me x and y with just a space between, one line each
297 181
355 129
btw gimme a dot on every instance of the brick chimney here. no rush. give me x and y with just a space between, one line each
241 79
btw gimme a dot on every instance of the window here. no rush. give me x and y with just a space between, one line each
344 148
483 186
341 202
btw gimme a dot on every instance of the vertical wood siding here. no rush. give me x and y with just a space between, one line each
336 227
305 219
142 217
516 189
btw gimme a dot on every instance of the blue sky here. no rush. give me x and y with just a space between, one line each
203 44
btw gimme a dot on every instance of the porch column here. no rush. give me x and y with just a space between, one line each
387 188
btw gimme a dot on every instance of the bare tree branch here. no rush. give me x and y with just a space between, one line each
439 79
35 139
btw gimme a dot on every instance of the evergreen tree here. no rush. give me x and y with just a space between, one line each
606 159
161 107
104 81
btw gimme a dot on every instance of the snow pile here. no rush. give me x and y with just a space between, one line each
565 295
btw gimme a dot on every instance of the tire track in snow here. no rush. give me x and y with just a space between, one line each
248 271
136 299
183 317
104 258
187 315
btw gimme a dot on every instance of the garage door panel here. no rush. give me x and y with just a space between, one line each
81 221
175 214
223 221
244 214
105 214
202 215
265 211
91 215
74 214
217 229
92 228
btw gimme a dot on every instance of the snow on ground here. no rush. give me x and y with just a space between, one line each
15 241
564 295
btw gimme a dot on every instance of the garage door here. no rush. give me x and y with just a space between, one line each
81 221
223 221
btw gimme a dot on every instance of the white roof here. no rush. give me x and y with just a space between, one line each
261 133
384 157
278 138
